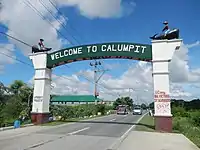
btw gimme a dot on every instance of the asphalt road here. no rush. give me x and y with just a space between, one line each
96 134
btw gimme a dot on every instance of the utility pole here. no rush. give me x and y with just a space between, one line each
96 78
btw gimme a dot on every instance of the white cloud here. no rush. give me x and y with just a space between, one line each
24 23
101 8
177 91
180 70
197 43
5 51
70 85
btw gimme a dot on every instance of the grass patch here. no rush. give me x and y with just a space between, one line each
146 124
53 123
185 126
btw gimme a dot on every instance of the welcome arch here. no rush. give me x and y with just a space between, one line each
100 51
159 53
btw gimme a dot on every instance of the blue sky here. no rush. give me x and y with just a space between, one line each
145 20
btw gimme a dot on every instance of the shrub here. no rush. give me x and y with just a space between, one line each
101 108
195 116
181 124
186 126
180 112
68 112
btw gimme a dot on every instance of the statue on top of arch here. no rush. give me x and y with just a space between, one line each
167 33
41 48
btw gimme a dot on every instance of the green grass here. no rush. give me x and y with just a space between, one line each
185 126
53 123
146 124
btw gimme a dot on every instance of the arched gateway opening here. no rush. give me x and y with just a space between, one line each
159 54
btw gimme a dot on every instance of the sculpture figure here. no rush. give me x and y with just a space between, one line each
41 48
167 33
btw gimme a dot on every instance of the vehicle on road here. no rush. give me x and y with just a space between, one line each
122 110
137 110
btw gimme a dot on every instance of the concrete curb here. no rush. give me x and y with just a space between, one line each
12 127
65 124
116 145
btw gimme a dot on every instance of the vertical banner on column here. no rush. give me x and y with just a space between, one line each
162 103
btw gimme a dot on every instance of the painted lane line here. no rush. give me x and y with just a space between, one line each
123 137
133 126
113 119
75 132
52 140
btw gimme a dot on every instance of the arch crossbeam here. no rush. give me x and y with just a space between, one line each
135 51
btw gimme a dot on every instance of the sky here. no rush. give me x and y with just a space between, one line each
80 22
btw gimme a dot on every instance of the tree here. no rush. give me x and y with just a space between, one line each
123 101
13 108
21 89
16 86
151 105
143 106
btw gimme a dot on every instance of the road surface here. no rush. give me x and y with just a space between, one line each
96 134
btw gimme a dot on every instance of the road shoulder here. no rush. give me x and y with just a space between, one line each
156 141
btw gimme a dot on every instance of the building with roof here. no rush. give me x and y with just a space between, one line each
73 99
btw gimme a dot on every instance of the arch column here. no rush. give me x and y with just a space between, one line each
42 88
162 53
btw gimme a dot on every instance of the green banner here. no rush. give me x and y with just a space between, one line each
100 51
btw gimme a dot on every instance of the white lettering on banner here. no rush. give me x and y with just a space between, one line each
101 48
65 53
137 49
162 108
143 48
131 47
52 57
88 49
126 48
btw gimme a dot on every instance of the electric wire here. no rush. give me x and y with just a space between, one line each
61 14
41 2
43 17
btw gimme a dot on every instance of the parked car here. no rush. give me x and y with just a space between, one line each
137 110
122 110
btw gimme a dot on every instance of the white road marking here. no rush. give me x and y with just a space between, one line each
72 133
133 126
113 119
121 139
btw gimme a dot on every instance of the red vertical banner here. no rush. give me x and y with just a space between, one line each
161 96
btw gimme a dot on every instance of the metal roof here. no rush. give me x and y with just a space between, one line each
73 98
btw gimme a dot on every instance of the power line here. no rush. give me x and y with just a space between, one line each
41 2
15 39
41 15
60 13
16 59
